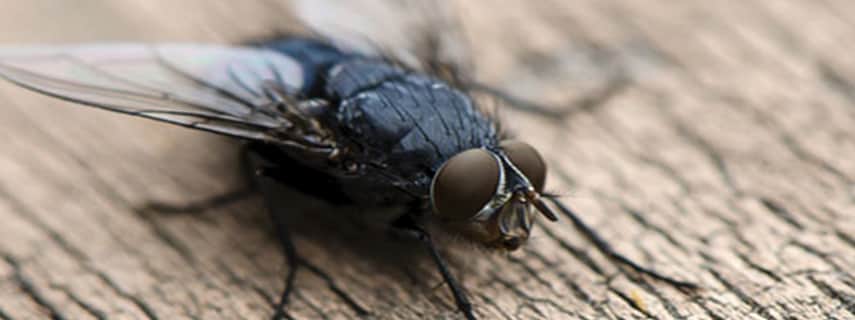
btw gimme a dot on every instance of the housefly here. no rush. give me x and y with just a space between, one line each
363 129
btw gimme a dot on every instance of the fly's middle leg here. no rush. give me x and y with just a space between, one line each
210 203
295 262
247 189
268 179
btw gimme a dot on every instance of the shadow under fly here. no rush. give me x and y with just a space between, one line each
350 128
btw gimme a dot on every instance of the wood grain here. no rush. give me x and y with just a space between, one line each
726 160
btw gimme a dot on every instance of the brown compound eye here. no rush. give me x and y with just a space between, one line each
464 184
528 160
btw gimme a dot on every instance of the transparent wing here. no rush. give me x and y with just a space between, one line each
214 88
414 33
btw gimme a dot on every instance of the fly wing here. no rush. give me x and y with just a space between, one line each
214 88
414 33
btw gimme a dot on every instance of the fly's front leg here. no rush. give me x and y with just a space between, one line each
460 298
407 227
610 252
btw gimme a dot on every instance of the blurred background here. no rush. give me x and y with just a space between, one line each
723 158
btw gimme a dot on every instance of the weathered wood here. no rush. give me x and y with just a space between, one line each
726 160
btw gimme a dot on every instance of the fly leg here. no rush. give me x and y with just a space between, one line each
249 187
407 227
610 252
292 257
268 178
460 298
587 102
213 202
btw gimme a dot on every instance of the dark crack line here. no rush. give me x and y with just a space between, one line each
638 216
528 298
710 152
185 307
30 289
535 274
58 239
526 305
781 212
140 303
700 302
574 287
845 237
156 228
166 237
756 306
628 148
825 257
105 189
797 150
846 300
490 302
763 270
837 82
92 310
30 216
381 292
235 279
666 303
317 310
341 293
580 255
668 171
794 147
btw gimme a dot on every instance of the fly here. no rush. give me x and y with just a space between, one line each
374 133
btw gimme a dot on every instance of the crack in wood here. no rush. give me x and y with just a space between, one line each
528 299
79 301
761 310
781 212
763 270
761 64
847 301
31 290
836 82
139 302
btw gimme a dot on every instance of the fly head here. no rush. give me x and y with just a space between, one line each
491 196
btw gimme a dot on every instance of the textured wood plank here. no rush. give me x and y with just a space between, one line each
726 161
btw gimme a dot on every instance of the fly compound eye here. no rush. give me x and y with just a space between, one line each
528 160
464 184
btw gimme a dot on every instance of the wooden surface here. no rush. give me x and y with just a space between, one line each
727 160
